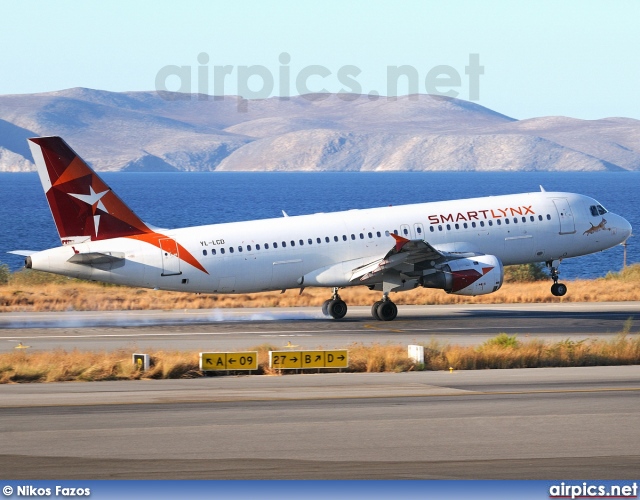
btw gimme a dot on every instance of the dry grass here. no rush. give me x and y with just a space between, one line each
37 292
503 351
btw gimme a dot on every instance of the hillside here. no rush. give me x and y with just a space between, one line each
141 131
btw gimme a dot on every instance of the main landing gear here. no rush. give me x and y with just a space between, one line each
384 310
557 289
335 306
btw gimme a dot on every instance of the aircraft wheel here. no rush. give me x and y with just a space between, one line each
325 307
561 289
337 309
374 310
387 311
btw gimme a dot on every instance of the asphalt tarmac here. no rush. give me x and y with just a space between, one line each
556 423
305 327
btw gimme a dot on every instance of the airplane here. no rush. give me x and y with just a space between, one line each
459 246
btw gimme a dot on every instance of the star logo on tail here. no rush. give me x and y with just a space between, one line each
93 199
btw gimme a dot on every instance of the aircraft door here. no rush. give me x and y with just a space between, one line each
567 223
170 257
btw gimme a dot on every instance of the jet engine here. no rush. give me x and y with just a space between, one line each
469 276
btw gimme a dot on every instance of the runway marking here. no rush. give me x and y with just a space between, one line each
298 333
475 328
286 335
110 335
382 328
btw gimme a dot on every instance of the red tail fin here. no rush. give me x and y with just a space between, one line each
83 206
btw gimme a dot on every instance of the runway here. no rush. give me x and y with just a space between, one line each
557 423
236 329
564 423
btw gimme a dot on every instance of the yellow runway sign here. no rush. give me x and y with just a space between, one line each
292 360
212 361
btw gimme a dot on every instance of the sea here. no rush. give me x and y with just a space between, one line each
171 200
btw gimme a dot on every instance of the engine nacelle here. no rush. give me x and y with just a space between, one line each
469 276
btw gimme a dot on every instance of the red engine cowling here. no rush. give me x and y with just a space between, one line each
470 276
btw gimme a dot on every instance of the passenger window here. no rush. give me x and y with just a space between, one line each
318 240
515 220
378 234
418 230
266 246
506 221
548 217
275 245
431 229
222 250
258 246
204 252
539 217
499 222
230 249
361 236
457 226
293 243
386 233
448 227
239 249
248 248
473 224
439 228
490 223
532 218
465 225
370 235
481 223
335 238
326 238
310 241
213 251
395 231
302 242
405 231
284 244
353 236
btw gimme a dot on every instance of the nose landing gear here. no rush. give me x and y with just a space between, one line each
557 289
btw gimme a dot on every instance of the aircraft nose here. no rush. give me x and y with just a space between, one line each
625 228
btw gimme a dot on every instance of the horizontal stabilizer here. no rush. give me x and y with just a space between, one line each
24 253
93 258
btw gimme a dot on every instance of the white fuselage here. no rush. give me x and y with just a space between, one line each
287 252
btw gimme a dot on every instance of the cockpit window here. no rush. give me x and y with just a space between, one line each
597 210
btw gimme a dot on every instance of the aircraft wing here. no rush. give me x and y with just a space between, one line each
407 255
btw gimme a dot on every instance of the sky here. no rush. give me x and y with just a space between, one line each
522 59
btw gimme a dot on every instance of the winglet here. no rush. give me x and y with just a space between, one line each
400 241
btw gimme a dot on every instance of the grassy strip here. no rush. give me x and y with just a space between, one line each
502 351
33 291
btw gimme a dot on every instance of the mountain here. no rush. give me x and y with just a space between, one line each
145 131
